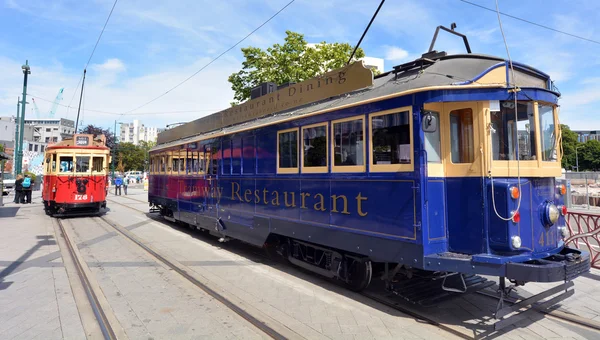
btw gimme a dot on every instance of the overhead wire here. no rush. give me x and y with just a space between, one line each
121 114
515 89
214 59
93 51
532 23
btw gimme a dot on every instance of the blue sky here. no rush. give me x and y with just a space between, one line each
150 46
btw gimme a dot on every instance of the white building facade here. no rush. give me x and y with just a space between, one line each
136 132
51 130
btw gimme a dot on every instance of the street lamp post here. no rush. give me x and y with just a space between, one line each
115 150
19 162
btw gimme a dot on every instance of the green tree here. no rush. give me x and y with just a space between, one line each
145 147
131 156
569 143
294 61
589 155
96 130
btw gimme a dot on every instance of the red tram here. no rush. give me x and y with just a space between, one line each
76 176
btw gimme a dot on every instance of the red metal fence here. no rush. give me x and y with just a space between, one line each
584 231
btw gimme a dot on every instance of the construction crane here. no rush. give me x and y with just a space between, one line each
52 111
37 110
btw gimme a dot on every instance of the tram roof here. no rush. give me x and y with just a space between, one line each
451 71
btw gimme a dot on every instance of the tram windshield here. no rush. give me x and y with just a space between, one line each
66 163
512 138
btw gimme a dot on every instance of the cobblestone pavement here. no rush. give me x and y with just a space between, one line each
36 300
151 301
307 301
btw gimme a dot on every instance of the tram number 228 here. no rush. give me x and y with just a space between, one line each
549 237
81 197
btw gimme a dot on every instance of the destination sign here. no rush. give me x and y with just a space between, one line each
82 140
346 79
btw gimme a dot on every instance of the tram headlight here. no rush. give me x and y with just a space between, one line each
553 213
516 242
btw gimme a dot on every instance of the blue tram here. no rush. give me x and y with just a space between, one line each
444 166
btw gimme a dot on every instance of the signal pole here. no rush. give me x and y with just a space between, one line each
26 72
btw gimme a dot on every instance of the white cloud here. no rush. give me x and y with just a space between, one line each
395 53
112 65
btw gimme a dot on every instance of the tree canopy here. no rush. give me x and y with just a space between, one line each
294 61
96 130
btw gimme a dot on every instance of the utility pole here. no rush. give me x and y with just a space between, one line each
17 121
26 72
114 152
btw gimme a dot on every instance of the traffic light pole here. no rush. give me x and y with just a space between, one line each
26 72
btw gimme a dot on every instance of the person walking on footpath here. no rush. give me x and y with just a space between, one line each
27 186
118 183
19 189
125 183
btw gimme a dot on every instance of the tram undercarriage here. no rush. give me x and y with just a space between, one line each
69 209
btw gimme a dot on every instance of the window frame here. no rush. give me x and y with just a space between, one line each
348 168
98 155
473 132
392 167
288 170
314 169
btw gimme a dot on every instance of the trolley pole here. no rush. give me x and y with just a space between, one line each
26 72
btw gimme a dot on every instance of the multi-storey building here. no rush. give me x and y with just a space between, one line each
51 130
7 130
584 136
136 132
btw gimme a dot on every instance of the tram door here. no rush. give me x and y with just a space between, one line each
435 192
211 180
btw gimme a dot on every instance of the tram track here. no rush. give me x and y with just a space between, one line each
456 330
395 306
105 326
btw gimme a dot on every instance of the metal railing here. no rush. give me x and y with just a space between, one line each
584 231
583 190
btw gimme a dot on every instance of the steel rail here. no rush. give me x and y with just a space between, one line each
420 316
105 327
226 302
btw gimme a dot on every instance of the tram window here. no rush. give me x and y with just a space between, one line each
189 163
97 164
548 132
391 138
349 143
200 162
236 156
432 143
505 132
82 163
226 170
163 164
53 169
287 142
249 162
461 136
314 150
66 163
182 165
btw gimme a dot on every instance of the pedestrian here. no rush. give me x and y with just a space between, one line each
19 189
27 186
125 183
118 183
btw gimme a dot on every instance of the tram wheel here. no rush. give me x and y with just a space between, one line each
360 273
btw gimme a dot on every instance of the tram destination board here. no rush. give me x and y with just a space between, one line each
346 79
82 140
